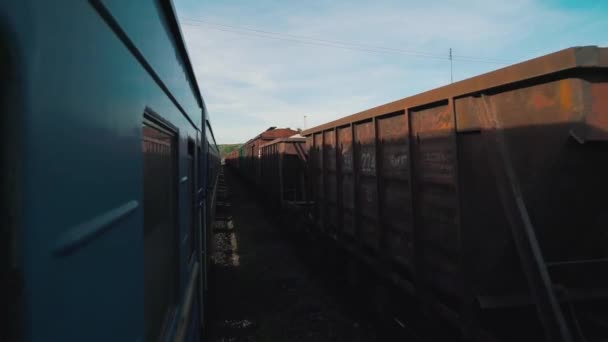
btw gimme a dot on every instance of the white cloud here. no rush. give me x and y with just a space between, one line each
250 83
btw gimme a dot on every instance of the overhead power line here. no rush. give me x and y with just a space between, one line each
451 67
313 43
425 54
205 24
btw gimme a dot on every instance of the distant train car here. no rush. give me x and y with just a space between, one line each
242 158
108 158
483 198
232 159
250 152
283 170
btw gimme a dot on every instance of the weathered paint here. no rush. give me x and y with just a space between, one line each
417 186
84 77
345 158
580 58
283 170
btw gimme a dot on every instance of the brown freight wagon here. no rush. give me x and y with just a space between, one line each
484 198
232 159
283 170
249 166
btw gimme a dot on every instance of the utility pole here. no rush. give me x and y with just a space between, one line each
304 121
451 67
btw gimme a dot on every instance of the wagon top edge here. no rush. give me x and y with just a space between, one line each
271 134
567 59
286 140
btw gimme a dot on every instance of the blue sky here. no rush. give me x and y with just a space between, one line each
251 82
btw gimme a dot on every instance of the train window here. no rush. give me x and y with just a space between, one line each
210 168
160 227
193 213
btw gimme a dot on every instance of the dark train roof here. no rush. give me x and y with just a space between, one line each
298 138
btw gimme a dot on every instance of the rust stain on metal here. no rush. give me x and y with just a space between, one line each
566 95
414 177
541 101
346 210
396 214
597 120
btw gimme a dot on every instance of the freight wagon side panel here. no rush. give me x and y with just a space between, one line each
365 184
266 167
310 185
319 182
242 157
346 192
483 218
493 176
257 170
266 170
273 174
557 175
249 169
437 204
329 175
291 172
276 173
395 190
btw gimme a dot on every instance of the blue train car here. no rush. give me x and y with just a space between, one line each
109 170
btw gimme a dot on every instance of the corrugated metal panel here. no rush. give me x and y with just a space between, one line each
395 190
319 181
366 187
434 155
347 184
283 169
329 175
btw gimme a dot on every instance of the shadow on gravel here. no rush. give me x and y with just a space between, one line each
261 290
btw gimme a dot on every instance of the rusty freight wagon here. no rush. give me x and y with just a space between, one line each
249 163
232 159
484 199
283 170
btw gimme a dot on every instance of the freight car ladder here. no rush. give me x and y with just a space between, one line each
544 291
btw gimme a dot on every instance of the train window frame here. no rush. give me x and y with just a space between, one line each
156 121
193 228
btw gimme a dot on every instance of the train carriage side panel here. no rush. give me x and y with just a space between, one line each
83 183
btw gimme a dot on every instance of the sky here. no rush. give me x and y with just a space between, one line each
262 63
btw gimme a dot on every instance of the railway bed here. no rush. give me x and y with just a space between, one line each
267 285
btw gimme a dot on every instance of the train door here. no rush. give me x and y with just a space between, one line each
161 258
437 240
